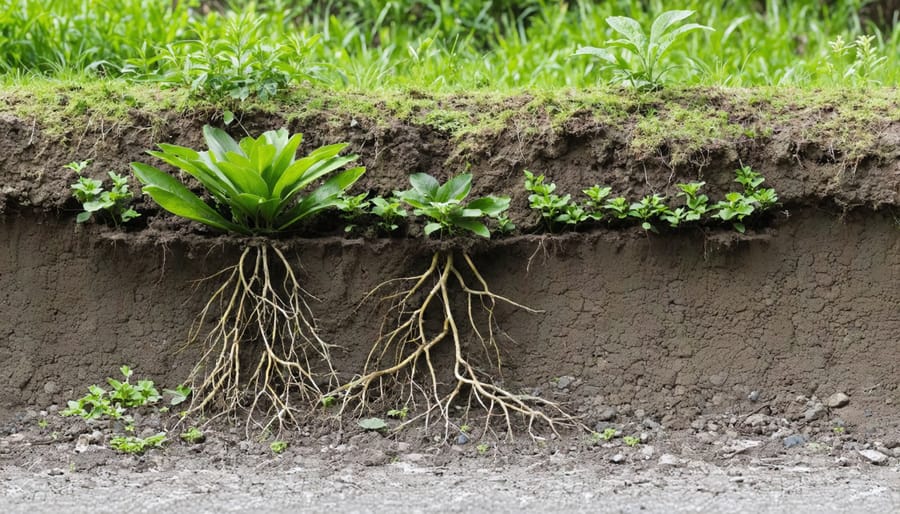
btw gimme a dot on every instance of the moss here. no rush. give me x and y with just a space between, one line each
683 131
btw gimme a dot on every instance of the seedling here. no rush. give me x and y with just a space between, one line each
43 423
278 447
646 49
178 395
408 341
482 448
259 189
648 209
544 199
631 441
375 424
137 445
116 203
390 212
608 433
113 404
618 207
352 208
596 195
327 401
400 414
193 436
695 205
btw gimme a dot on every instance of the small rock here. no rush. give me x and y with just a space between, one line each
617 458
650 424
668 460
51 387
640 413
794 440
353 123
815 412
873 456
564 382
697 424
55 472
645 437
462 439
837 400
892 442
755 420
403 446
753 396
607 414
647 452
718 379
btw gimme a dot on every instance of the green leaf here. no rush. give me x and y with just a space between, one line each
172 196
372 424
629 28
457 188
432 227
601 53
664 21
220 142
490 205
474 226
425 184
322 198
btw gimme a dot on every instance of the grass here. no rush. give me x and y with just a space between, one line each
425 45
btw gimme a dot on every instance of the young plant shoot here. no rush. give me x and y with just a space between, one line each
259 188
403 361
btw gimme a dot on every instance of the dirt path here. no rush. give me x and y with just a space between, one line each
554 484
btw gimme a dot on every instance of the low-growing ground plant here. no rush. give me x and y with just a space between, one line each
113 403
695 205
543 198
115 203
647 210
389 211
401 366
737 206
137 445
260 310
193 435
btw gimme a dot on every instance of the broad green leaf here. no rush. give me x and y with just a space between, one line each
282 160
322 198
457 188
474 226
424 184
244 179
82 217
668 39
601 53
431 228
172 196
220 142
629 28
490 205
315 172
664 21
372 424
291 178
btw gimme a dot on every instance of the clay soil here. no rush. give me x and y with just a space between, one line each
714 347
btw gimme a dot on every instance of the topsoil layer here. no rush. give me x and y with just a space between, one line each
671 326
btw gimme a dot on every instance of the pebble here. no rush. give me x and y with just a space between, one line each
794 440
51 387
719 379
873 456
757 419
670 461
647 452
837 400
645 437
617 458
650 424
55 472
815 412
607 414
564 382
753 396
462 439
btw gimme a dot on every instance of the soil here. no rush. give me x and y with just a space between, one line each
716 347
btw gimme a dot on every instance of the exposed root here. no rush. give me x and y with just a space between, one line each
262 354
410 349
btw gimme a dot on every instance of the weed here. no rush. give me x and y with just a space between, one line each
465 429
596 195
482 448
631 441
838 430
608 433
389 211
193 435
278 447
648 209
327 401
618 207
738 206
116 203
544 199
113 404
178 395
137 445
443 204
407 341
42 423
374 424
260 186
352 208
647 49
400 414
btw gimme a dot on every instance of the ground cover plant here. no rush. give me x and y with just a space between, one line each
401 369
260 190
240 50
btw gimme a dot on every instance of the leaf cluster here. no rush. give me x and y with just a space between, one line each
646 49
137 445
258 184
445 206
113 403
116 202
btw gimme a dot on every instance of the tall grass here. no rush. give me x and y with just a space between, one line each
246 48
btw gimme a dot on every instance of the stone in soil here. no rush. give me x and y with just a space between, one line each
564 382
873 456
816 411
837 400
794 440
462 439
607 414
617 458
670 461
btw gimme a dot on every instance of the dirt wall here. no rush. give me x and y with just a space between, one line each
675 324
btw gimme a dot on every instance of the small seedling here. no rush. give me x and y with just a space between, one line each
544 199
443 207
100 402
278 447
482 448
838 430
389 211
178 395
617 207
596 195
465 429
94 198
327 401
352 208
631 441
695 205
137 445
608 433
43 423
193 436
400 414
648 209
